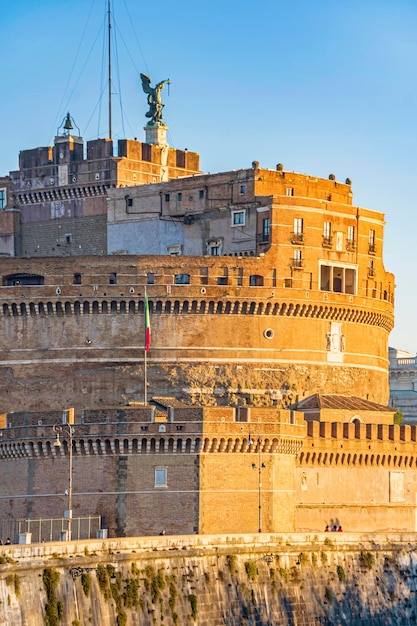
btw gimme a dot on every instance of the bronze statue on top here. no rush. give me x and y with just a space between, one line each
154 100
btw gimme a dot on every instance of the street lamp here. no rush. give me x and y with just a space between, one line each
66 429
260 467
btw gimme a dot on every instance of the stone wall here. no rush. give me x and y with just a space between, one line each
280 579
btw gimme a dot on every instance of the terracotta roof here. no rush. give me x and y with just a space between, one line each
349 403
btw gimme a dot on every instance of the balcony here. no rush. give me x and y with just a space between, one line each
371 248
350 246
297 264
371 272
297 238
327 242
262 238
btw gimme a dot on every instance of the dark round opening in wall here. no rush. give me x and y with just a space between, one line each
268 333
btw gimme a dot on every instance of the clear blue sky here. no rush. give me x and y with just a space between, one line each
322 87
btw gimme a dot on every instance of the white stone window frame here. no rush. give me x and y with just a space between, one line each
236 215
214 244
344 267
174 250
160 478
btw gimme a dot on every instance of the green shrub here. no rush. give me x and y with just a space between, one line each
53 608
193 601
231 562
86 583
328 594
283 573
131 594
102 577
367 559
251 570
341 573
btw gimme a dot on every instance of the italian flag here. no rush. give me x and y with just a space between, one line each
147 326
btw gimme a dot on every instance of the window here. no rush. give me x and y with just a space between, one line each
201 194
160 477
68 238
129 202
298 226
298 236
146 152
112 278
77 279
180 158
3 198
338 278
179 196
204 275
372 241
371 269
327 234
242 190
167 197
289 191
175 250
238 218
214 251
297 259
266 228
182 279
350 244
256 280
150 278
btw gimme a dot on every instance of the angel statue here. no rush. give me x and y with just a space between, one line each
154 99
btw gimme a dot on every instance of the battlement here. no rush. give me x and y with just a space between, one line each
360 445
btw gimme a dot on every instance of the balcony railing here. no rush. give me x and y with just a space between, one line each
327 242
297 238
372 248
297 264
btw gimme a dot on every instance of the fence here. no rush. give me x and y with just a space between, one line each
51 529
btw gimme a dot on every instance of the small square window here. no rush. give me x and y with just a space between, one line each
238 218
160 477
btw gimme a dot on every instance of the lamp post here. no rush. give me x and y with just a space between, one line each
66 429
260 467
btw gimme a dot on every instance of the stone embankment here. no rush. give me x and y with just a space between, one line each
303 580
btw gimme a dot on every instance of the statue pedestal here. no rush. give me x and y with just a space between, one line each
156 134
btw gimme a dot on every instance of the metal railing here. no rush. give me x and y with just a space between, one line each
50 528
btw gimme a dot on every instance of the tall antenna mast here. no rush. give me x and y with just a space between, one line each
109 56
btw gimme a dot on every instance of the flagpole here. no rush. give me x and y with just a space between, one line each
145 360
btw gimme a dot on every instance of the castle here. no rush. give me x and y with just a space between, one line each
270 310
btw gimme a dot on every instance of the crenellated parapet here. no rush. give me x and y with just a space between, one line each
359 445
